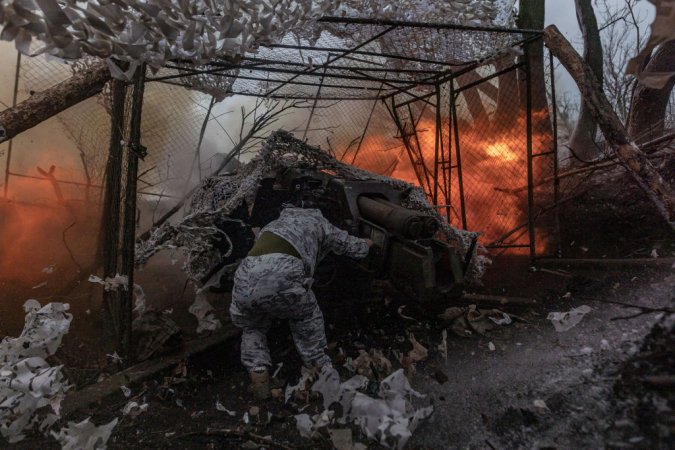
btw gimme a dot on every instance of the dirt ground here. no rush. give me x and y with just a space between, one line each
602 384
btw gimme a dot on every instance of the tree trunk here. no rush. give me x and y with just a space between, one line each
582 141
646 119
43 105
656 188
531 16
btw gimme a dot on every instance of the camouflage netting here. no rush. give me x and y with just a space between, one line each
219 196
157 31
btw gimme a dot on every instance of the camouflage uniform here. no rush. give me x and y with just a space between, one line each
277 285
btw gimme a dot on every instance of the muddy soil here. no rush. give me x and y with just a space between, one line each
537 389
522 385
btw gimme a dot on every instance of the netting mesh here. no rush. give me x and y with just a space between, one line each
196 233
172 118
361 61
466 144
379 96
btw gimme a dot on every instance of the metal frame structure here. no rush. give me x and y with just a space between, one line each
364 70
369 60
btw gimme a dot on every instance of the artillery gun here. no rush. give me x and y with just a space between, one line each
405 251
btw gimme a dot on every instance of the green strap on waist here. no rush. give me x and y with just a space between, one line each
269 242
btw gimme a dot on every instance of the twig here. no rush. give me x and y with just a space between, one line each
63 238
595 165
659 381
643 309
228 432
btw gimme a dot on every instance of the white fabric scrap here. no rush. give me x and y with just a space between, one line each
27 382
139 300
291 389
204 313
304 425
220 407
504 320
111 283
84 435
563 321
390 419
133 409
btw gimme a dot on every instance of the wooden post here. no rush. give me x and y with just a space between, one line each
630 155
43 105
135 151
110 223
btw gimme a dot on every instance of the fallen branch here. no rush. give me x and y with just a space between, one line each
97 392
42 105
643 309
498 300
599 263
241 434
646 175
642 312
587 168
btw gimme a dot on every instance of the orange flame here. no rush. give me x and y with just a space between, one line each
494 169
32 223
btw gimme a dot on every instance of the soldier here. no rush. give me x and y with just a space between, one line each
275 281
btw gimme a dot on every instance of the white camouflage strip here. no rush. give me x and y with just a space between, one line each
153 31
27 382
157 31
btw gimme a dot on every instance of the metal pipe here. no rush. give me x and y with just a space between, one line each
344 53
406 141
556 180
420 153
404 222
412 24
74 183
448 160
458 155
364 53
11 141
316 100
365 128
436 143
489 77
530 172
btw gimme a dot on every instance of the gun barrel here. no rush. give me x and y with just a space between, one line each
407 223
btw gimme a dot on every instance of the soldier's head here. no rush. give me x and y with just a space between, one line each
305 198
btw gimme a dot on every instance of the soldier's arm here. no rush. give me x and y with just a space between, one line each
342 243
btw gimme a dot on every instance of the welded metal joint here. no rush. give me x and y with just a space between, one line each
139 150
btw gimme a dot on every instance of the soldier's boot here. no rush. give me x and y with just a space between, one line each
260 384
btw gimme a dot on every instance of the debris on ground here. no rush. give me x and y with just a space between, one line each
467 320
387 417
133 409
84 435
204 313
28 383
154 333
564 321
